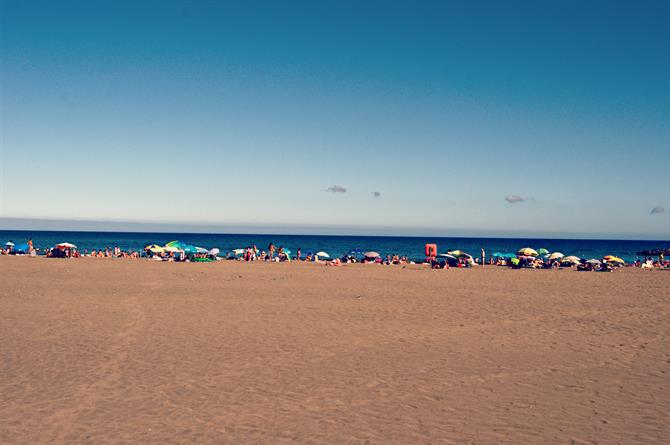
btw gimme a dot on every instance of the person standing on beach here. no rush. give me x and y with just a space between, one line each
271 249
298 254
483 257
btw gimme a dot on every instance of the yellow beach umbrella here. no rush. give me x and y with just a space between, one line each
171 249
155 248
613 259
527 251
459 254
556 256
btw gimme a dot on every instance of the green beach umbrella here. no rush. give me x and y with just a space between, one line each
542 251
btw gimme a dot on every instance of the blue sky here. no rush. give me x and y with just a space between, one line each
222 114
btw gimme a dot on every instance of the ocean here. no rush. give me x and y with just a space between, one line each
335 246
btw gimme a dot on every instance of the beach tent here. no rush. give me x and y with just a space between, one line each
450 259
556 256
322 254
21 248
527 251
371 254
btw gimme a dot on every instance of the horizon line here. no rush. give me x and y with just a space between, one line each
116 226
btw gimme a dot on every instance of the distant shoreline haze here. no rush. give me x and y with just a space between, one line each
84 225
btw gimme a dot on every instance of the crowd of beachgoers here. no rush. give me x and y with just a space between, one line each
177 251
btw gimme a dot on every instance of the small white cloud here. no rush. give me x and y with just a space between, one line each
376 194
513 199
656 210
336 189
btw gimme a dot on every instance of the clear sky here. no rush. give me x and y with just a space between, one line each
482 117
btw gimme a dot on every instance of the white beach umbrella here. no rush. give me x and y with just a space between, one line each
9 243
371 254
66 245
238 251
171 249
323 254
214 251
555 256
571 259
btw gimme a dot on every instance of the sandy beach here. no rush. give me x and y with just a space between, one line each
123 351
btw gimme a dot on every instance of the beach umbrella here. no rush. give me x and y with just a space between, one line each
201 250
515 261
9 243
178 244
613 259
371 254
323 254
571 259
555 256
527 251
286 252
214 251
542 251
172 249
238 251
190 249
593 261
66 245
459 254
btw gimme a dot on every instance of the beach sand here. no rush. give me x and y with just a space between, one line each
126 351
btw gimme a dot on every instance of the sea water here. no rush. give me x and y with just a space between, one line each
335 246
